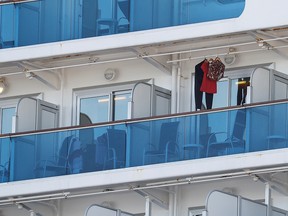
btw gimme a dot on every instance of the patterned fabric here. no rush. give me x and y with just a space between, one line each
216 69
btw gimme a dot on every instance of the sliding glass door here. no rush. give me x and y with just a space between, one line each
102 105
95 108
6 119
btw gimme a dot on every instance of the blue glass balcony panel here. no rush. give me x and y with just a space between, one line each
58 20
4 159
129 144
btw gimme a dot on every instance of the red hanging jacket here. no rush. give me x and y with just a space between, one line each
208 85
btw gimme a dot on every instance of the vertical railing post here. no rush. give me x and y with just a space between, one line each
148 206
268 198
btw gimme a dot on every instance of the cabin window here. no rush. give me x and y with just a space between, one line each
103 104
95 108
6 116
281 88
231 91
7 112
108 107
120 105
220 99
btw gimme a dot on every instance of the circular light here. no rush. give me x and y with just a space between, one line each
229 59
110 74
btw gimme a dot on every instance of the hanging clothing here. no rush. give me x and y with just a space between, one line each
208 85
197 85
199 74
209 100
216 69
243 83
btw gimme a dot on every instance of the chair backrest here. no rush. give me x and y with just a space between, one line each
86 137
124 6
117 140
64 151
240 124
168 133
101 150
75 157
4 174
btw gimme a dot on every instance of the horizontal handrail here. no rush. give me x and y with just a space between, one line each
134 120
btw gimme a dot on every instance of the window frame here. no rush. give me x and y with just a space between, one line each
110 90
196 211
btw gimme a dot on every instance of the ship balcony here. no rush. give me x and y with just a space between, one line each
55 21
164 140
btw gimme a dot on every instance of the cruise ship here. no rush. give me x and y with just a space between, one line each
109 107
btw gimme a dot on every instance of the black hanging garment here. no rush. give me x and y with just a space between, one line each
199 94
243 83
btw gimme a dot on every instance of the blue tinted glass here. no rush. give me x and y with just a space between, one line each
209 10
4 159
6 124
153 141
121 106
268 119
57 20
221 98
96 108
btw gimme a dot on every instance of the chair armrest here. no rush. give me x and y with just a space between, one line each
168 149
112 150
151 147
171 143
277 138
3 173
113 158
212 140
272 139
213 135
51 164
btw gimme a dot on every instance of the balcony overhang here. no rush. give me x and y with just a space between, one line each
121 48
145 177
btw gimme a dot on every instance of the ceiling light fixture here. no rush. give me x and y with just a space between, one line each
230 58
3 85
110 74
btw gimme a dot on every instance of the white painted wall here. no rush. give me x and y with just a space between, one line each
92 76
